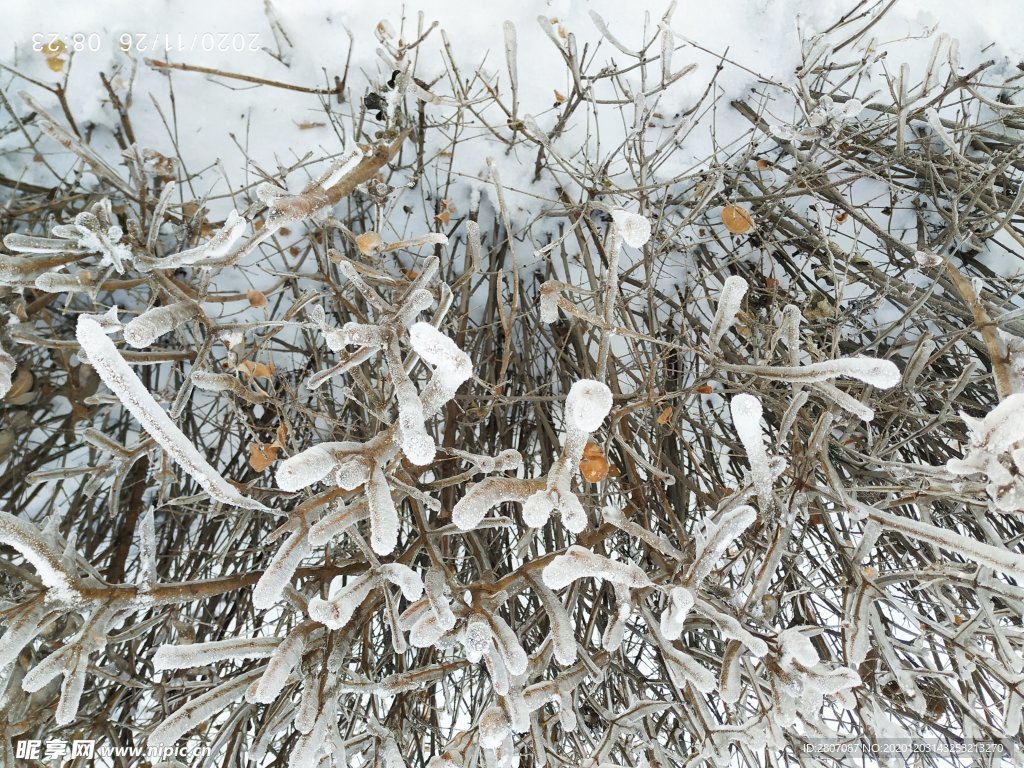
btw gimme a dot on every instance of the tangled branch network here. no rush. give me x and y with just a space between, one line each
496 438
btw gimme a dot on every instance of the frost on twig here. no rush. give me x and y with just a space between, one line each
733 291
116 374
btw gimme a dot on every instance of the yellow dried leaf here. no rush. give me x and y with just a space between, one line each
737 219
665 416
262 455
368 243
256 298
55 63
256 370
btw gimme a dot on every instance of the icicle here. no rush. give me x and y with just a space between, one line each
680 601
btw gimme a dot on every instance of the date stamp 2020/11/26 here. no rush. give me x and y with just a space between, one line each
148 42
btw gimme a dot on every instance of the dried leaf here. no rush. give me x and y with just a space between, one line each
256 298
369 243
593 465
559 97
262 455
737 219
444 215
255 370
665 416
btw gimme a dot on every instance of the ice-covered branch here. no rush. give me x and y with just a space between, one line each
118 375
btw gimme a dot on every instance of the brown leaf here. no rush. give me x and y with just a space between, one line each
737 219
256 298
559 97
665 416
262 455
368 243
444 215
593 465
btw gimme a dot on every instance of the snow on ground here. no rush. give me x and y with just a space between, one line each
215 123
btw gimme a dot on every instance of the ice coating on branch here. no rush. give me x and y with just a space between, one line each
451 365
26 539
587 404
476 637
403 577
684 669
494 728
680 601
383 513
21 629
733 290
303 469
216 247
7 366
434 585
201 654
199 710
720 534
154 323
481 497
337 610
996 453
634 229
279 573
417 445
580 563
794 645
1002 427
508 644
122 381
746 420
285 657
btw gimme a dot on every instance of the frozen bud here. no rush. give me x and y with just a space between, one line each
538 509
587 405
634 229
494 728
476 637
